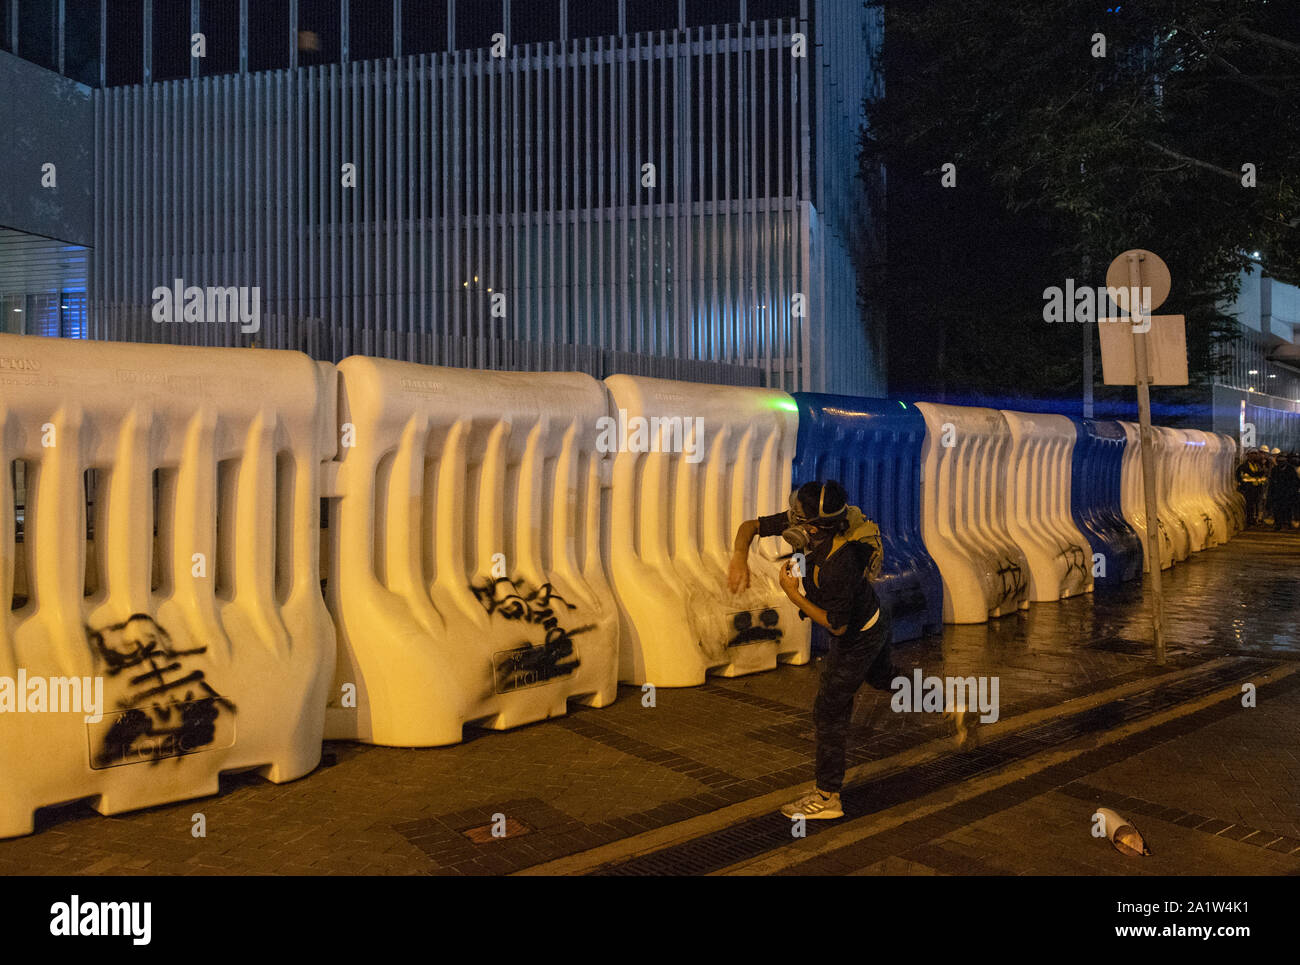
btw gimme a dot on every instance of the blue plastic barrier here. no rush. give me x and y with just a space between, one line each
873 448
1095 504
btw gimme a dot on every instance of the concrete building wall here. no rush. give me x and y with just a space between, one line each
45 119
1268 306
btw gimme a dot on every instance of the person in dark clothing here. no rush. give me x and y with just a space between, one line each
1252 477
1283 486
837 594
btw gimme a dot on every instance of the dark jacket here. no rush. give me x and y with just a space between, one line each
837 584
1283 483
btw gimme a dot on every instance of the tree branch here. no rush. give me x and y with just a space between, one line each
1191 160
1266 39
1218 58
1223 171
1250 80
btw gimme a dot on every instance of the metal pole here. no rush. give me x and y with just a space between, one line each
1088 364
1148 455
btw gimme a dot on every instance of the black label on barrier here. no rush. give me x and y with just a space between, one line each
530 666
140 735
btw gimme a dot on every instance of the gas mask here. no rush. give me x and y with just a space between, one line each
800 533
800 537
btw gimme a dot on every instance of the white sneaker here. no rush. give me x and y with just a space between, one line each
814 805
965 723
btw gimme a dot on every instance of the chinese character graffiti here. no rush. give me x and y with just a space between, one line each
167 711
530 664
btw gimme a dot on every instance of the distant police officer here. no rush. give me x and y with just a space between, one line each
1252 477
1283 488
841 552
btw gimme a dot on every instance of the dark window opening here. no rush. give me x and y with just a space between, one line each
771 9
476 22
72 314
219 23
534 22
370 31
222 569
285 477
18 478
38 32
268 35
643 15
164 523
593 18
320 32
92 581
43 314
124 26
81 41
701 13
171 39
424 27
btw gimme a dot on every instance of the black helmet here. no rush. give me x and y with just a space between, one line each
821 504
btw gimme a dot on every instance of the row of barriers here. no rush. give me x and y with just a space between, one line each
214 558
1197 504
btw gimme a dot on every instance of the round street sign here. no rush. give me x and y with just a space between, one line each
1154 275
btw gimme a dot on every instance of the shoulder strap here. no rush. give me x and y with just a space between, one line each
861 530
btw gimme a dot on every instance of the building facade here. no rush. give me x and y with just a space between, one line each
600 185
1258 397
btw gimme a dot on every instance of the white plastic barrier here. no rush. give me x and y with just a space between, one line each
1231 455
1133 499
1224 458
1188 488
964 483
169 555
465 573
1171 453
1205 487
1216 509
1038 518
1204 493
672 524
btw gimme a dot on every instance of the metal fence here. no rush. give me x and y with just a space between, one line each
495 208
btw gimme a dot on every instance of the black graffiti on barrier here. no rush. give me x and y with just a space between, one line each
1075 557
530 664
167 712
747 632
1013 581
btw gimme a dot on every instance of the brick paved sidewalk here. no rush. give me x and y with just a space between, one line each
599 776
1214 794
